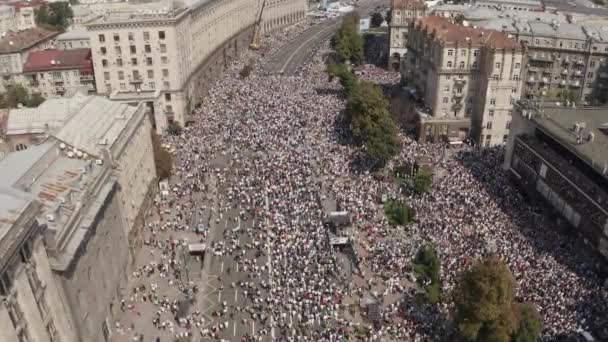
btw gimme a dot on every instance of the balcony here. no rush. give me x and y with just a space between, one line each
58 81
564 72
577 73
458 95
532 80
136 79
575 84
563 83
86 78
545 80
460 82
457 106
541 57
580 62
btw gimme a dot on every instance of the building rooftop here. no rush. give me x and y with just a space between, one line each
559 121
523 3
97 125
79 34
18 41
148 12
407 4
47 60
48 116
447 32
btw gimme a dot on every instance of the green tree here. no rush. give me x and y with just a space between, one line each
56 15
246 71
399 213
459 19
347 42
483 299
174 128
347 79
423 181
381 142
162 158
376 20
426 266
528 327
16 95
389 14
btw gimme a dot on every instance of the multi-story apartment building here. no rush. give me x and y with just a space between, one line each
467 80
17 17
566 58
53 72
403 12
166 57
88 207
14 49
558 155
31 308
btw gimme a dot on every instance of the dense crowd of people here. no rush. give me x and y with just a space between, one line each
278 134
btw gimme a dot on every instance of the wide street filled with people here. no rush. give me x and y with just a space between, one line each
253 169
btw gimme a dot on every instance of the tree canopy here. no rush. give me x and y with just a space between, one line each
347 79
426 266
56 15
16 95
423 181
376 20
485 308
347 42
162 158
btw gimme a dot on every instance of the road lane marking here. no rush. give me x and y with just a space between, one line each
302 45
234 328
222 267
253 327
236 295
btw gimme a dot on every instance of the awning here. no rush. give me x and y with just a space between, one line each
455 141
196 247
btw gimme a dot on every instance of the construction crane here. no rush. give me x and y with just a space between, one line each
255 39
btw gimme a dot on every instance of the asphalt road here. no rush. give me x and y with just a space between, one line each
297 51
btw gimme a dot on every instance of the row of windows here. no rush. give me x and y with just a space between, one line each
133 49
131 36
135 74
134 61
489 125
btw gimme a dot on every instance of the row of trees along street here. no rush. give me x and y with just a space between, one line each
366 114
484 306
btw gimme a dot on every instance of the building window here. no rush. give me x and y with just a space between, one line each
104 63
513 90
151 85
461 65
121 75
468 112
449 64
118 50
588 85
146 35
164 60
517 65
590 75
489 125
169 109
505 138
592 64
463 52
103 50
510 112
495 77
448 77
20 147
497 65
167 96
133 49
508 125
147 48
493 102
102 38
446 88
445 100
106 75
470 100
116 37
134 61
150 73
119 62
123 86
450 52
474 65
131 37
148 60
166 84
515 77
161 34
165 72
136 75
512 101
475 53
163 48
491 112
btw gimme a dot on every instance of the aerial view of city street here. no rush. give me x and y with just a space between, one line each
264 170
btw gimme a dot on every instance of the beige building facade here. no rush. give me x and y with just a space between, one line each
465 79
90 179
403 13
165 57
